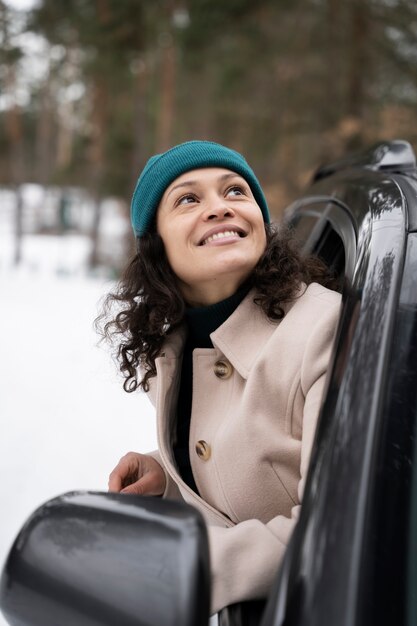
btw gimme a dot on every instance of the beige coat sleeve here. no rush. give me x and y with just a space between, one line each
171 489
246 557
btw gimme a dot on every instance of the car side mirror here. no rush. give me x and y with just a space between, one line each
90 559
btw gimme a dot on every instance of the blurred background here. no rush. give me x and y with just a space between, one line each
89 89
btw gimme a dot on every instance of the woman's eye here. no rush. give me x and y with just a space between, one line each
236 190
187 199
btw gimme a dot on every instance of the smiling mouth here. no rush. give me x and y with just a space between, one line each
222 235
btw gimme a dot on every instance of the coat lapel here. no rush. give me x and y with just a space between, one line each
243 335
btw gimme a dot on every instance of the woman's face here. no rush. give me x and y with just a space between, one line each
213 232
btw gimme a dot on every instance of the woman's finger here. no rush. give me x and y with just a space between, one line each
126 470
151 484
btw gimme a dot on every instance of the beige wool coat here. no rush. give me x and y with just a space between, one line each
256 398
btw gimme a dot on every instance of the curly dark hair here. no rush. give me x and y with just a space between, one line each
147 304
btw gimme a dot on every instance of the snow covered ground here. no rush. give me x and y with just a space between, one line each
64 418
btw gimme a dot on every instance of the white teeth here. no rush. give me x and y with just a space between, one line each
226 233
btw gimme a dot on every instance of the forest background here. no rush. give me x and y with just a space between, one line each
89 89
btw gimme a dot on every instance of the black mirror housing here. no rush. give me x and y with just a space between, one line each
100 559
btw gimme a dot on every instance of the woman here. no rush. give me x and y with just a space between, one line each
232 339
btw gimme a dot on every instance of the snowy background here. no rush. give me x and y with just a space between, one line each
64 418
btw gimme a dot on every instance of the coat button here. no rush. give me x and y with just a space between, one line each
203 450
223 369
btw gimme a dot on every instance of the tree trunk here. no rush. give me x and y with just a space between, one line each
164 130
164 136
139 120
14 131
97 156
334 67
65 137
99 119
18 227
358 61
44 136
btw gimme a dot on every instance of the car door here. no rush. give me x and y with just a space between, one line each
331 571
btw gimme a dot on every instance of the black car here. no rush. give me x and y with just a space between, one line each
106 559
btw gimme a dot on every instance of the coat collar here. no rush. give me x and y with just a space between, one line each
240 338
243 334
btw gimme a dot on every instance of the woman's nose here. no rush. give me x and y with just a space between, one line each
218 209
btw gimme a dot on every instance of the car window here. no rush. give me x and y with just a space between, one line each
325 228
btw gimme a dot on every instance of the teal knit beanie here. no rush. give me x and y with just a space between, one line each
162 169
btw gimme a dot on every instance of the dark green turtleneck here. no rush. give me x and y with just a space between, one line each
200 322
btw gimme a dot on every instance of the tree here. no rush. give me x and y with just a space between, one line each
10 56
288 83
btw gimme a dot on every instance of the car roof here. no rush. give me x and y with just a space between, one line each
386 164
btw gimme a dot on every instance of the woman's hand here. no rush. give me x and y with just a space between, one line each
138 474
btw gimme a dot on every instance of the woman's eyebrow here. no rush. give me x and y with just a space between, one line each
231 175
193 183
187 183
